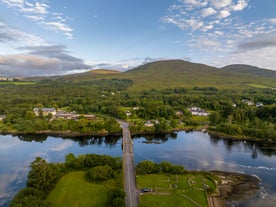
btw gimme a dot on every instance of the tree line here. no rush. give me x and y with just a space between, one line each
107 98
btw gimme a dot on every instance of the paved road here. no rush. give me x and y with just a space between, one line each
132 195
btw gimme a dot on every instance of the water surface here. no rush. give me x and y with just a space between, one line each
194 150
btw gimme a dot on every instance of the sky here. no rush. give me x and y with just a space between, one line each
56 37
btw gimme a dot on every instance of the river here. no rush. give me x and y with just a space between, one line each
194 150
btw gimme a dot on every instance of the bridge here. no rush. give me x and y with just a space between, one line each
132 194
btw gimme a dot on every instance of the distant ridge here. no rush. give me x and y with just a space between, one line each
103 71
179 73
176 66
248 69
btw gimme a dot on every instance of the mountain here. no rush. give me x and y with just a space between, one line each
248 69
178 73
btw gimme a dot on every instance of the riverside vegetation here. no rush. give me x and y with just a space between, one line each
96 180
240 104
86 180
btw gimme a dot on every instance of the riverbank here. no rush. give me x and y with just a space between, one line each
265 144
233 187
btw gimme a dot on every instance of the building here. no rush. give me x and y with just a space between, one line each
249 103
45 111
151 123
196 111
2 117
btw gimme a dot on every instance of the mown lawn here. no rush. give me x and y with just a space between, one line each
165 193
164 201
73 190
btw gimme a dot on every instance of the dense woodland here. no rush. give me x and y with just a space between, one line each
240 104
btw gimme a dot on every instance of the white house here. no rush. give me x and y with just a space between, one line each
196 111
45 111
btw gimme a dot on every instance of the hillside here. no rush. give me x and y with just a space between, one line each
179 73
248 69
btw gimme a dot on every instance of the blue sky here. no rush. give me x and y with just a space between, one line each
47 37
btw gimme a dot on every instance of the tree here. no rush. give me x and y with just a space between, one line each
147 167
101 173
117 197
70 161
29 197
112 126
214 117
42 175
118 202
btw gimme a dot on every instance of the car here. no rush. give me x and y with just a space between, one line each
145 190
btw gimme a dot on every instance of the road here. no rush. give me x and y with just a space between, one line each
132 195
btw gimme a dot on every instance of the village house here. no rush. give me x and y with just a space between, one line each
259 104
196 111
151 123
45 111
128 113
73 115
65 115
249 103
178 113
2 117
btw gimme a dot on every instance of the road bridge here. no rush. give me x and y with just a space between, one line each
132 194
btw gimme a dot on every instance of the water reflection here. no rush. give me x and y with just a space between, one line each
81 140
16 154
194 150
31 138
156 138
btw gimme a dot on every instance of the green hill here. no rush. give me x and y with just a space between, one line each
179 73
248 69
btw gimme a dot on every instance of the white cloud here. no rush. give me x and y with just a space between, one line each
196 3
14 35
207 12
220 3
194 24
242 4
263 58
38 12
57 26
63 146
37 8
208 27
220 33
223 14
205 43
272 20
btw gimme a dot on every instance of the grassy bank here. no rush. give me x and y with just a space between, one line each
74 190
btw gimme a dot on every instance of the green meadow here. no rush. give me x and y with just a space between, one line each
75 190
175 190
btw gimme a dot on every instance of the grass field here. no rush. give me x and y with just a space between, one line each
16 83
175 190
257 85
73 190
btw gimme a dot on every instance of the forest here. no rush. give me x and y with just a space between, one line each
243 112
